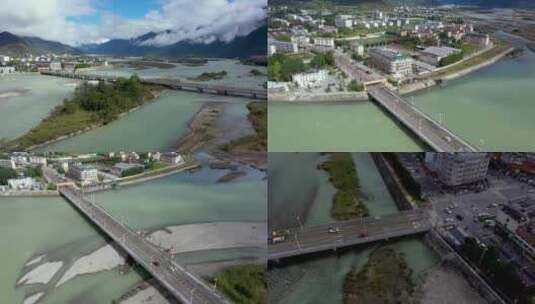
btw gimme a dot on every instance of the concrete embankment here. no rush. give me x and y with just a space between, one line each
478 67
44 193
397 190
320 97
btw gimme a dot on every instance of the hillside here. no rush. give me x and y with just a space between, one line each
13 45
242 47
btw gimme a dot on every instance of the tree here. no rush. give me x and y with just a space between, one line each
355 86
5 174
322 60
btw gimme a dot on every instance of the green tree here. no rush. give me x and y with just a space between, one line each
5 174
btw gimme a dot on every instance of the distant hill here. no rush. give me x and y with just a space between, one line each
376 3
492 3
242 47
13 45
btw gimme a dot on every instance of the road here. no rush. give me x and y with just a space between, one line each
183 285
437 136
306 240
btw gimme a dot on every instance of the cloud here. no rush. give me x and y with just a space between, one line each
201 21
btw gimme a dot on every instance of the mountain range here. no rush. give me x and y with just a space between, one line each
241 47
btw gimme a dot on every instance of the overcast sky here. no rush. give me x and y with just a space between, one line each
86 21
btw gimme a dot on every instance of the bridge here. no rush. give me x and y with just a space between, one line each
172 84
435 135
307 240
183 285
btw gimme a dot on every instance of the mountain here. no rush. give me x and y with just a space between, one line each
13 45
492 3
252 44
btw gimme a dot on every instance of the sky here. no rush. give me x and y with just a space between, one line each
76 22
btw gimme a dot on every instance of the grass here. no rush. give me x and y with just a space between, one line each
244 284
495 51
206 76
348 201
255 142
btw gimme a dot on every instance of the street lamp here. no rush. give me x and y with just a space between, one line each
191 295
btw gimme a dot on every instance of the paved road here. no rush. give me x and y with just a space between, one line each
315 239
183 285
207 88
438 137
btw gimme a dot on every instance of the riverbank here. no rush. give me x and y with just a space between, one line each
348 201
318 97
201 127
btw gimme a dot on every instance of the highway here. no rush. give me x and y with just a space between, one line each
435 135
306 240
183 285
197 87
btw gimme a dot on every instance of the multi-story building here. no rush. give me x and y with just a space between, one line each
309 79
433 55
454 169
4 59
55 66
37 160
24 183
276 46
6 70
324 43
85 174
7 163
392 62
343 21
477 38
171 158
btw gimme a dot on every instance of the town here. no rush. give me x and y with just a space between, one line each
344 49
34 174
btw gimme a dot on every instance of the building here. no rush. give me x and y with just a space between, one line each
357 47
37 160
310 79
357 71
455 169
433 55
324 43
172 158
85 174
6 70
119 168
477 38
26 183
4 59
55 66
7 163
301 41
276 46
343 21
392 62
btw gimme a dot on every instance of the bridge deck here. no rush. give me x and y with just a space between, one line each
438 137
308 240
197 87
182 284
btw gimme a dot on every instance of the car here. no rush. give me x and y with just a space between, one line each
333 230
459 217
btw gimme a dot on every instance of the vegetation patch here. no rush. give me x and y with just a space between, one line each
206 76
256 142
385 279
91 105
348 201
244 284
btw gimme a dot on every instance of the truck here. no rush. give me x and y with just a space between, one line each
278 236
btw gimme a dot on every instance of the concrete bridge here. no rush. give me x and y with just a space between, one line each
197 87
307 240
435 135
183 285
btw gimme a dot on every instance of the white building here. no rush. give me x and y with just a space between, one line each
4 59
7 163
301 41
477 38
324 43
172 158
37 160
6 70
119 168
276 46
392 62
344 21
85 174
55 66
455 169
358 48
310 79
26 183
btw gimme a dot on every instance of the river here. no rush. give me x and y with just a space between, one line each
322 277
25 99
34 226
492 108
